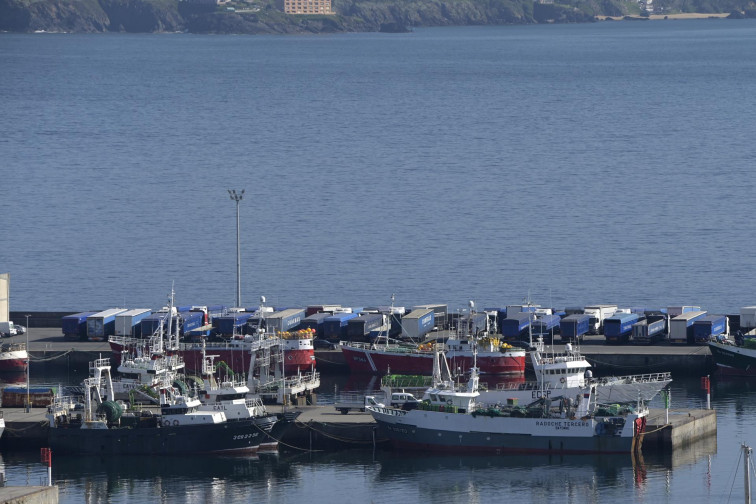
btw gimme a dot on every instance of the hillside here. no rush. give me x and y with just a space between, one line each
265 16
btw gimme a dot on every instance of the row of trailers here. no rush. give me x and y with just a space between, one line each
675 324
330 322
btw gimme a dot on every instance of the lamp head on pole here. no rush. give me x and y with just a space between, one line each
234 195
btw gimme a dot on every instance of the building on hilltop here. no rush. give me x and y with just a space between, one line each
307 7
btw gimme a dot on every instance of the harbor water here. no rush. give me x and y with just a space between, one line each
606 162
707 471
577 164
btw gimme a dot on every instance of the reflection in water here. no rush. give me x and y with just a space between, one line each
12 377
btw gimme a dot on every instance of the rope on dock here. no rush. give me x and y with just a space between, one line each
13 430
309 425
657 430
44 359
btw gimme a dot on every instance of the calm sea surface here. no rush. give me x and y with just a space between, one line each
609 162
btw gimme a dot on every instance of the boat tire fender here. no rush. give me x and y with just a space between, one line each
562 380
167 423
175 423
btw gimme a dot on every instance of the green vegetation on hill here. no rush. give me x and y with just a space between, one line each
265 16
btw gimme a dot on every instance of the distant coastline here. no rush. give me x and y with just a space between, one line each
271 17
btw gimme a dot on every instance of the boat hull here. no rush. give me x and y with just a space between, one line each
430 431
733 360
227 437
13 361
366 360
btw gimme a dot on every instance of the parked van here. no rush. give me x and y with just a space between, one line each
7 329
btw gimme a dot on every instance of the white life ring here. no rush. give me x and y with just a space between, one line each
449 402
562 380
290 357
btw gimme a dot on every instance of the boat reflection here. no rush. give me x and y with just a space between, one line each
12 377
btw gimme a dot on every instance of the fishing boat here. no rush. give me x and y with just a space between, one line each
13 357
298 349
494 357
233 397
101 425
733 359
234 353
144 370
566 374
462 350
454 419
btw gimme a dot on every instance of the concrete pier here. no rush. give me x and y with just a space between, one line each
685 427
29 495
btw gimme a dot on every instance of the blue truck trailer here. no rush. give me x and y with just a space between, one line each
190 321
231 324
335 326
574 327
417 323
360 328
709 327
315 322
101 325
516 327
151 324
75 325
650 330
619 327
681 327
545 326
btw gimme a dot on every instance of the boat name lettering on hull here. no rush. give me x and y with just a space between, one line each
540 394
561 424
397 429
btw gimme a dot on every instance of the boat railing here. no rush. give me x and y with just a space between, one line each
13 347
394 347
252 402
125 341
98 363
639 378
522 386
388 411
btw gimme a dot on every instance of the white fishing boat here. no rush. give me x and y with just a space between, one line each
567 373
102 425
456 420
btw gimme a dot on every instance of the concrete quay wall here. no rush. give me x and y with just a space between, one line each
29 495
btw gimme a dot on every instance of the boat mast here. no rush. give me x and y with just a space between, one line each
475 336
388 320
